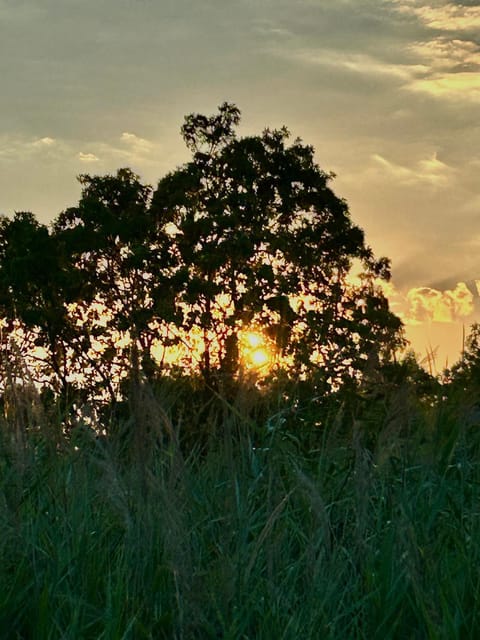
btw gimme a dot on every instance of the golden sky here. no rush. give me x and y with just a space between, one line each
387 91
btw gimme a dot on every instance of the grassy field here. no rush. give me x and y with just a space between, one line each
311 523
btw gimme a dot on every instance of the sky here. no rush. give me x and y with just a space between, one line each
387 91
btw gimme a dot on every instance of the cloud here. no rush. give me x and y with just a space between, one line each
121 150
453 68
87 157
360 63
430 171
268 29
15 148
447 17
44 142
136 145
459 86
126 149
445 66
425 304
448 54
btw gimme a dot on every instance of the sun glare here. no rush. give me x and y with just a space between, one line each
255 351
253 339
260 357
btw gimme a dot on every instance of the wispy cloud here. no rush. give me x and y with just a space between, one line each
430 171
44 142
135 144
360 63
444 17
453 68
127 148
269 29
14 148
454 55
444 66
463 86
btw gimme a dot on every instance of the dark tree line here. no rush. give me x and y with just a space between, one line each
247 234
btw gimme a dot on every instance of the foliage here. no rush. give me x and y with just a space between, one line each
123 255
337 498
248 235
465 374
265 242
37 282
260 537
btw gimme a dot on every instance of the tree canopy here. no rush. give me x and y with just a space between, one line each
246 236
263 241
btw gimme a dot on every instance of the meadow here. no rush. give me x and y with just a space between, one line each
291 517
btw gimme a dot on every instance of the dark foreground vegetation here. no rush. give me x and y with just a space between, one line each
295 519
155 485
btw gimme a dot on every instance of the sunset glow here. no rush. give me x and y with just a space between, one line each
240 318
397 122
255 352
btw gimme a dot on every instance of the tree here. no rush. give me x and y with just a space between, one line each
264 242
248 235
37 283
125 261
465 374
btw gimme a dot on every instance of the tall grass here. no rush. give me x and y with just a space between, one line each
369 528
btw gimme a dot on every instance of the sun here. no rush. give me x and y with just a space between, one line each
253 339
255 352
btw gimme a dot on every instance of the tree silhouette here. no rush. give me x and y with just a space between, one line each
464 376
37 282
263 241
124 257
248 235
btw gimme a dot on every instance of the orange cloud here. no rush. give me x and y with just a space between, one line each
421 305
465 85
424 304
